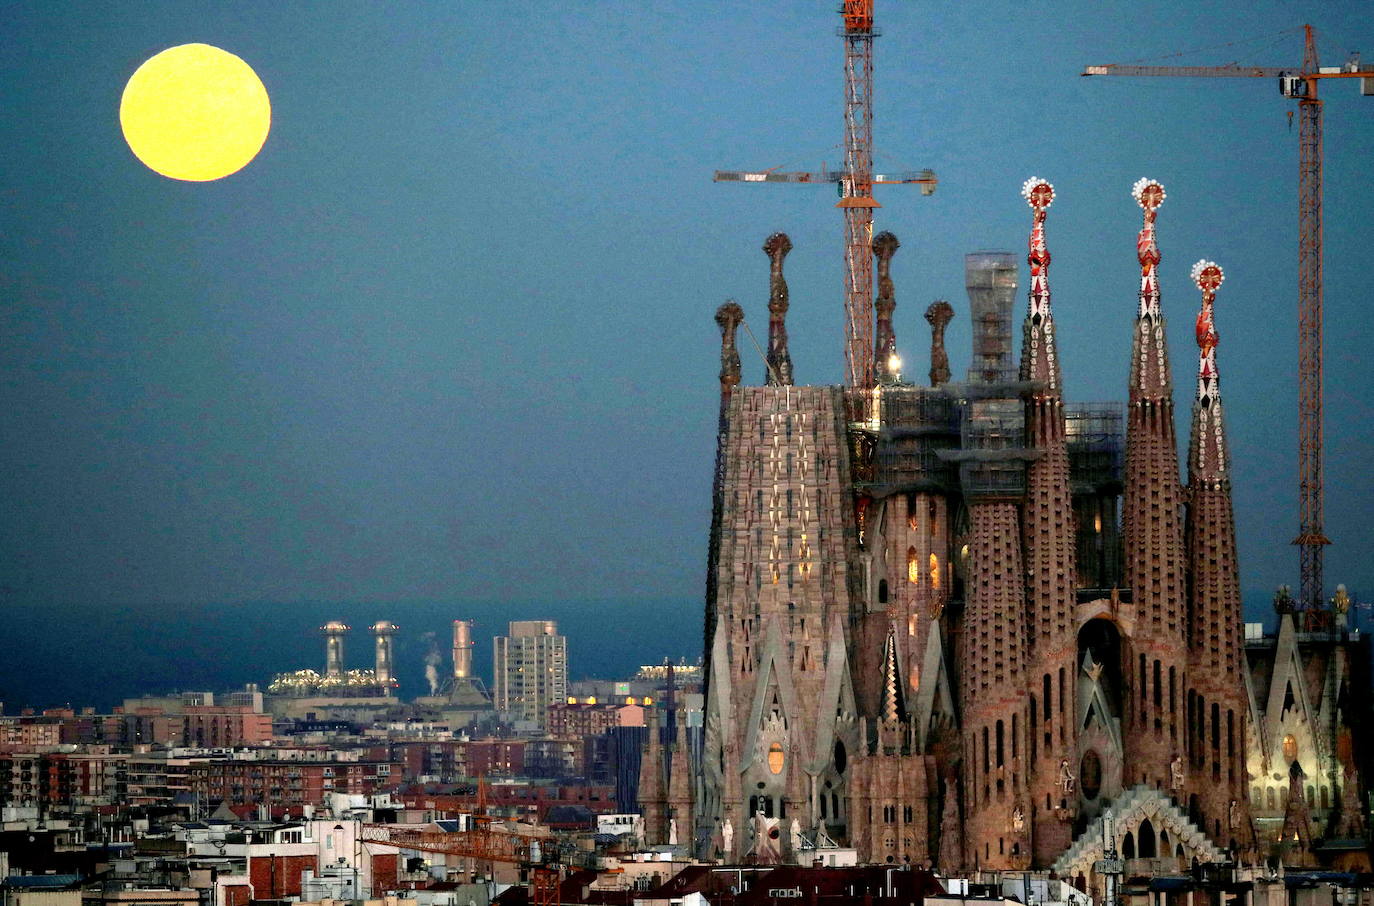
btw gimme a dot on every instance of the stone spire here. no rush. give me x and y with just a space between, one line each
779 360
1216 660
729 317
652 792
1150 355
893 707
1047 523
1152 516
885 359
1207 461
938 315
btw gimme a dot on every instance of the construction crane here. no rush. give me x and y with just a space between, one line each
1300 85
481 843
856 183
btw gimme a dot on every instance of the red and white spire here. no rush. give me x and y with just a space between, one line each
1150 379
1149 194
1208 460
1208 276
1038 357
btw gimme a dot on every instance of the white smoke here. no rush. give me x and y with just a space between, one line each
432 661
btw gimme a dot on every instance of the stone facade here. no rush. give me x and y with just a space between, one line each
926 640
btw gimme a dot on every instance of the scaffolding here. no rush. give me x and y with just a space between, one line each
990 278
993 436
1096 442
917 422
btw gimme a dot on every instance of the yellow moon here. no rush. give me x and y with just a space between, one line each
195 112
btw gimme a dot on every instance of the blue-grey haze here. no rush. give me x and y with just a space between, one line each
449 337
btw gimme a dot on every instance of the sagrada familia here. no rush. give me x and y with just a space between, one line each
953 625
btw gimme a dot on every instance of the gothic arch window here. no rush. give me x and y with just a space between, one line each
913 565
1290 748
934 572
1128 846
1147 840
882 591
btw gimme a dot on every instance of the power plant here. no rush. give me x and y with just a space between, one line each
337 680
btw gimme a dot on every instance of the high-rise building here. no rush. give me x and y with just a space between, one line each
957 623
530 670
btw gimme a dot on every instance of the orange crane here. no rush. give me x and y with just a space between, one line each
482 843
1301 85
856 182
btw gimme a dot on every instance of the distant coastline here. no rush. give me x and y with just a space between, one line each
90 655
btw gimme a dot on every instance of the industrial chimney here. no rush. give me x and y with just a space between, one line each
384 671
334 647
462 649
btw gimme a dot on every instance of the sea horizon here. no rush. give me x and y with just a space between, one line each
89 655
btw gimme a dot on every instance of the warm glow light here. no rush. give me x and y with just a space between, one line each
195 113
776 758
894 363
934 571
648 700
591 699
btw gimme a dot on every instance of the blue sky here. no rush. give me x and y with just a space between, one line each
449 337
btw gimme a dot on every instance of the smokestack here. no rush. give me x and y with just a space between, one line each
779 360
334 647
384 671
462 649
889 367
938 315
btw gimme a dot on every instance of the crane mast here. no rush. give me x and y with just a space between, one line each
1302 86
1311 540
857 202
855 180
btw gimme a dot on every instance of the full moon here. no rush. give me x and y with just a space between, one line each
195 113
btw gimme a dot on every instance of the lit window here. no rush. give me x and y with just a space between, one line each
776 758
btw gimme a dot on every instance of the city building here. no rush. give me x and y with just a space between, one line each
530 670
574 720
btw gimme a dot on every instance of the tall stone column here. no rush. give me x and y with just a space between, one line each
1217 701
779 359
1152 514
1050 557
993 691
